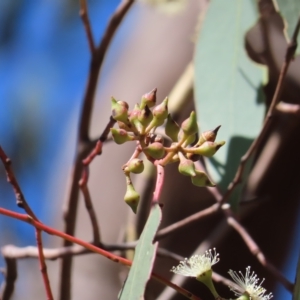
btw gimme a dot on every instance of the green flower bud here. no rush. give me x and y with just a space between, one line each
207 149
201 179
189 126
135 166
188 140
186 167
208 136
172 129
121 136
132 197
155 150
160 113
119 110
145 116
149 99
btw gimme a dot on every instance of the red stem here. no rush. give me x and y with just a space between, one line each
41 227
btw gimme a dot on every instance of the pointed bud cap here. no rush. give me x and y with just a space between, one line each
121 136
201 179
186 167
208 149
190 126
135 166
208 136
172 129
160 113
155 150
149 99
119 110
132 197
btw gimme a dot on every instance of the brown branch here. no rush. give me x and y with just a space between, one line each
84 145
186 221
90 210
87 25
290 52
21 202
10 274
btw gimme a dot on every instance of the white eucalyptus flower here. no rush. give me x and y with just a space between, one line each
197 265
248 285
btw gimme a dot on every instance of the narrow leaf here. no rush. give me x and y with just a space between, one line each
139 274
228 84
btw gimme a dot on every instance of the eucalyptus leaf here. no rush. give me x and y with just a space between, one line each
228 84
140 271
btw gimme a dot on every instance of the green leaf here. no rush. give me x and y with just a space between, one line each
140 271
290 10
296 295
228 84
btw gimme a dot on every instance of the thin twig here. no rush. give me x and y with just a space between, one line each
186 221
21 202
115 258
90 209
291 49
43 266
87 25
84 145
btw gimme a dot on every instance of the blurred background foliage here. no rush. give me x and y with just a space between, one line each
44 60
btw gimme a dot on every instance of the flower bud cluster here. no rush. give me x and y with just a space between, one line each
139 125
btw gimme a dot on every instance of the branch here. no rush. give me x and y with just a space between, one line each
21 202
84 145
115 258
186 221
87 25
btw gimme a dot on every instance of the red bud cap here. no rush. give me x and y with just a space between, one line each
208 136
149 99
